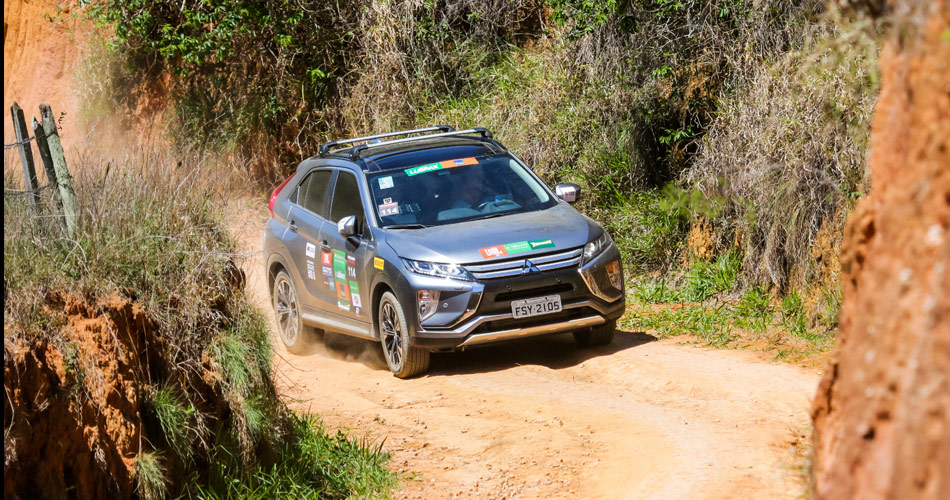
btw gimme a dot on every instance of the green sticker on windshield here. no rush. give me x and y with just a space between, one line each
421 169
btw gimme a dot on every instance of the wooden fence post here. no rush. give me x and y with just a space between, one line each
43 147
66 191
26 153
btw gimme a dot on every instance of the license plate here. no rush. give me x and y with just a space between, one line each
535 307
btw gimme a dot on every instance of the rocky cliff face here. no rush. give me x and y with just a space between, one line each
882 412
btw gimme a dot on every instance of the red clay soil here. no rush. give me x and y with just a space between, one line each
39 59
882 412
72 408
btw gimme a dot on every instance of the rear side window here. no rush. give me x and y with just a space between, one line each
346 198
313 192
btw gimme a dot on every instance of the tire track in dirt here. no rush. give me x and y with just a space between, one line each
541 418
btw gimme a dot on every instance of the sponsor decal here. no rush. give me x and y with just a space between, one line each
327 271
357 302
311 270
379 263
387 209
343 290
495 251
548 243
421 169
326 258
311 250
461 162
432 167
387 201
516 247
386 182
339 280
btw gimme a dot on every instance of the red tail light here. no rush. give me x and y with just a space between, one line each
273 196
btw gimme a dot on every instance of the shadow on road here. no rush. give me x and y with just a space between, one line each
553 351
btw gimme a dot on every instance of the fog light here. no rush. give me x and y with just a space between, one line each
615 273
428 303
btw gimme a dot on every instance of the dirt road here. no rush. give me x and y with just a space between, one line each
541 418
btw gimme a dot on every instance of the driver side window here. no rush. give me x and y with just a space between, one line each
346 199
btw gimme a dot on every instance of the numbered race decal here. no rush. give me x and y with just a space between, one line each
516 247
311 250
387 209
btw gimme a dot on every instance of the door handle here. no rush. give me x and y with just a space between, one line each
325 245
293 225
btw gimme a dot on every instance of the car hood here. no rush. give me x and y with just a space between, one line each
471 242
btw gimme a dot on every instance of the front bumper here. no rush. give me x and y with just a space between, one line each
587 300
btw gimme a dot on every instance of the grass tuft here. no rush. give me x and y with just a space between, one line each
150 476
173 417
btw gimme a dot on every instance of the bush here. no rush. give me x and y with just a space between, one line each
789 153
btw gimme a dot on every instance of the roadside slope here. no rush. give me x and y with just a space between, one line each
541 419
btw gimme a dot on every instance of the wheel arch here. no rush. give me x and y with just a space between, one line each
378 290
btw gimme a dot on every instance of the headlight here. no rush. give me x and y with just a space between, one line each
453 271
594 248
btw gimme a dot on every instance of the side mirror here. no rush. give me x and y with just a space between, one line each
347 226
568 192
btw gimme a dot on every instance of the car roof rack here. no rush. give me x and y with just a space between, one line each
325 147
483 132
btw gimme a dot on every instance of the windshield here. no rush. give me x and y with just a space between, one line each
456 190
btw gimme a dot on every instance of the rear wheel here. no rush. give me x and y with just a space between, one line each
287 310
404 360
598 335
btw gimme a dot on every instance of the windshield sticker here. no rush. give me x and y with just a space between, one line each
379 263
421 169
311 250
386 182
432 167
387 209
516 247
311 270
461 162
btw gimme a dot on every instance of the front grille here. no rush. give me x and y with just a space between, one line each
534 292
516 267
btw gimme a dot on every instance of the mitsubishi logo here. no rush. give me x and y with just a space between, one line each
529 268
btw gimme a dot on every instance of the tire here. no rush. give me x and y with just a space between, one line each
286 304
598 335
404 360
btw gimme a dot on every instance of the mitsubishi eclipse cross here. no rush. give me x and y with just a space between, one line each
435 240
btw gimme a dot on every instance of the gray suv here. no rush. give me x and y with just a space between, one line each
435 240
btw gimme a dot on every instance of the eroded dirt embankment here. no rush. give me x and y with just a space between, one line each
72 408
39 59
882 413
543 419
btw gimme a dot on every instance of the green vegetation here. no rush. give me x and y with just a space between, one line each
751 117
150 477
152 232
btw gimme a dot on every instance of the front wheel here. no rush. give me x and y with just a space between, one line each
598 335
404 360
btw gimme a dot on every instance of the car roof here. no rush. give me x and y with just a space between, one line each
419 152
